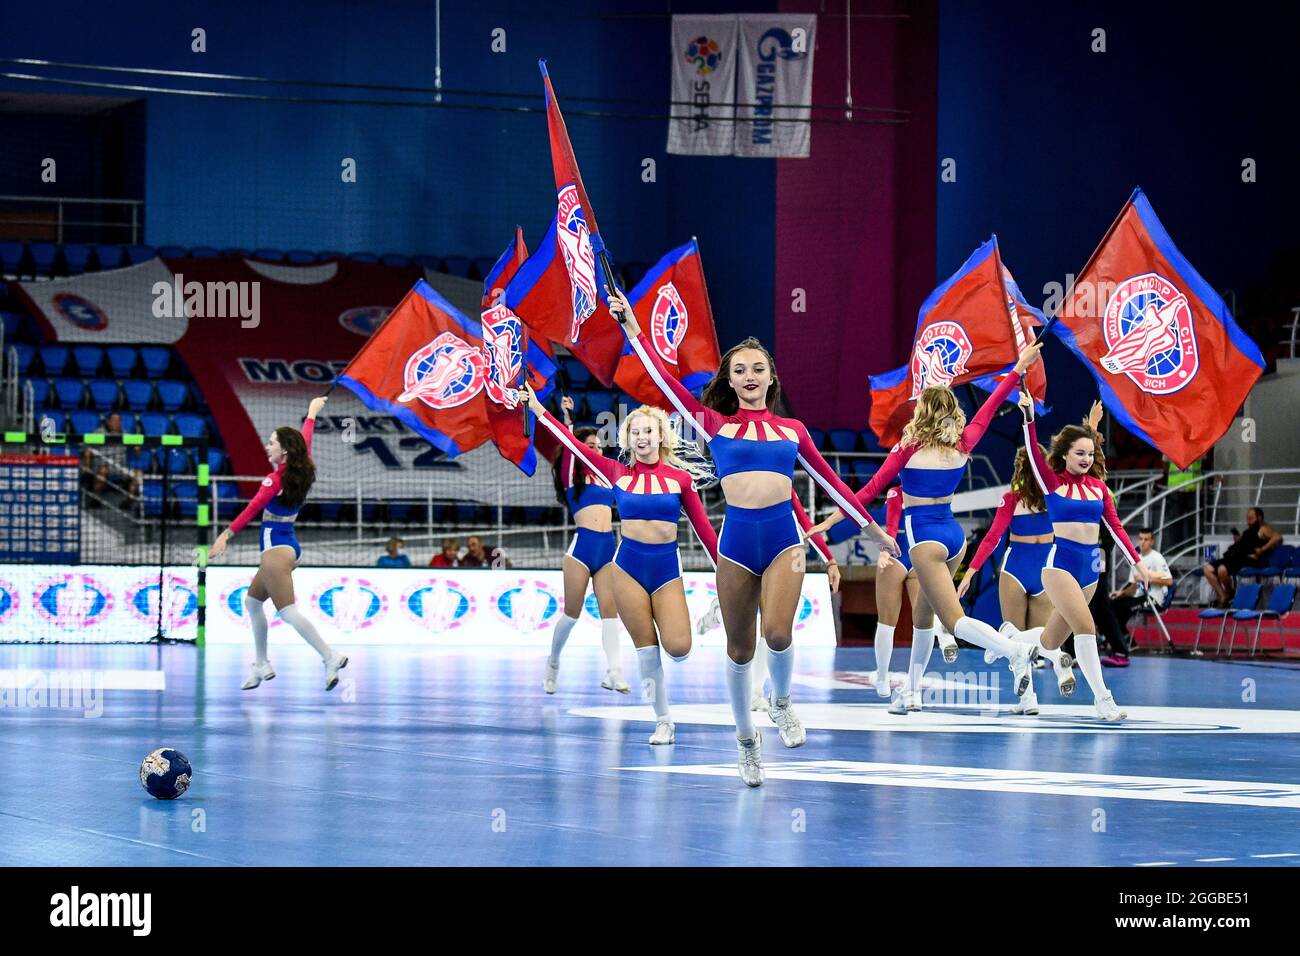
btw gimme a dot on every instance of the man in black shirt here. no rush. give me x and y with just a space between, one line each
1248 550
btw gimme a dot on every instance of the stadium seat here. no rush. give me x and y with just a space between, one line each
1279 606
138 394
121 359
579 375
363 257
818 438
151 498
178 461
156 360
11 257
843 439
104 394
140 459
1279 560
109 257
12 322
40 392
395 259
69 392
173 252
49 414
154 423
137 254
216 461
481 266
83 422
321 256
1246 599
44 256
128 422
172 394
457 266
234 251
870 442
433 263
598 402
268 255
196 396
77 257
54 359
300 257
203 252
191 425
405 512
88 359
186 495
330 510
24 354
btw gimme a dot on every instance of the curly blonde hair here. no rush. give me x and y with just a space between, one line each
669 441
937 421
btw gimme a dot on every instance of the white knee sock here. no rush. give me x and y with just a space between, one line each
1032 636
980 634
884 650
609 641
560 637
738 687
256 618
298 621
653 685
1085 649
759 671
922 646
780 665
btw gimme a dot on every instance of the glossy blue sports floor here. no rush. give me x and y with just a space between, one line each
456 757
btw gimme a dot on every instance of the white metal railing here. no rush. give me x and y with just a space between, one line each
61 220
1294 338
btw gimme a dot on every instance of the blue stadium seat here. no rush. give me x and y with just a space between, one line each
1279 559
154 423
843 439
53 415
579 375
1246 599
109 256
156 360
69 392
178 461
172 394
269 255
395 259
44 255
818 438
25 353
128 422
196 396
122 359
83 422
151 495
234 251
77 257
140 459
138 394
870 442
137 254
191 425
12 322
88 359
186 495
457 266
216 461
54 359
322 256
405 511
481 266
299 257
40 392
104 394
363 257
598 402
173 252
11 257
433 263
330 510
203 252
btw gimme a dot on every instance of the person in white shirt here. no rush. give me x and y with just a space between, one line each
1134 594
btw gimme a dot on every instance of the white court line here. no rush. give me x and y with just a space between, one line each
72 678
1242 793
1164 863
1271 856
1216 859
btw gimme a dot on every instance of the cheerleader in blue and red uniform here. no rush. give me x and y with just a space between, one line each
650 494
761 546
277 501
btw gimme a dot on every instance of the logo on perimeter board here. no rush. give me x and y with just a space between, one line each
363 320
526 605
72 601
80 311
807 613
10 601
351 603
668 322
439 605
182 602
233 602
1149 336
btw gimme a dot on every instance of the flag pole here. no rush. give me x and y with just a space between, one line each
705 283
1069 293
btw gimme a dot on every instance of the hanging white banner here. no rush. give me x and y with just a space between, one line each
774 74
704 76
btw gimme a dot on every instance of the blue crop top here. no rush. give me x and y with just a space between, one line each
930 482
647 506
592 494
734 455
1061 508
1039 522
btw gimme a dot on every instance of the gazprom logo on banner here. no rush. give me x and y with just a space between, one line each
527 605
776 44
439 605
208 300
80 311
72 601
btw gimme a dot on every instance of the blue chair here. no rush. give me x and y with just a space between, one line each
104 394
77 257
154 424
43 255
84 423
1279 559
843 439
88 359
50 414
395 259
121 359
203 252
178 461
818 438
172 395
138 254
457 266
40 392
186 495
269 255
69 392
173 252
156 360
234 251
368 257
110 257
11 257
598 402
24 353
151 498
579 374
300 257
403 511
320 257
196 396
54 359
12 322
1279 606
1246 599
138 394
139 458
191 425
128 422
330 510
870 442
216 461
1294 570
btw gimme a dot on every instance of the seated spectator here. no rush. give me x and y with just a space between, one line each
479 555
394 557
106 464
1134 595
1248 550
449 556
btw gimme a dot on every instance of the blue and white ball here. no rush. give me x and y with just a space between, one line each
166 773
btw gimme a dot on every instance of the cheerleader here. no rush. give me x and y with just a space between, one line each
647 581
760 548
278 500
589 558
1072 476
929 462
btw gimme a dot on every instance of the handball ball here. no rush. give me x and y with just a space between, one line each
166 773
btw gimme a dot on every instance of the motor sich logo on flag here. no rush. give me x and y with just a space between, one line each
941 353
503 347
444 373
579 258
668 322
1147 326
